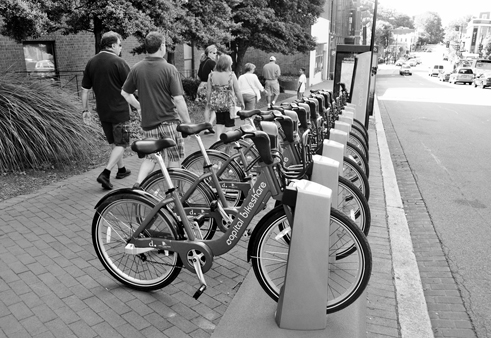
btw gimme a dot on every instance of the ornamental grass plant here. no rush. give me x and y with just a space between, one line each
41 126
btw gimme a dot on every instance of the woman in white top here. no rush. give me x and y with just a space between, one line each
250 87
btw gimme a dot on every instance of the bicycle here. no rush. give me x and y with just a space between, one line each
351 200
144 245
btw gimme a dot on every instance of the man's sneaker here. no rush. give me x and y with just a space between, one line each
104 180
123 174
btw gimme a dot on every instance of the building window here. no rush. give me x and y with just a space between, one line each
39 57
188 61
319 57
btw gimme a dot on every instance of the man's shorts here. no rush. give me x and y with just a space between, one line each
117 133
272 87
168 129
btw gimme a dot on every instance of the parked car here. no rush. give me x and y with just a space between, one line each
44 68
435 70
483 80
405 69
463 75
444 76
400 62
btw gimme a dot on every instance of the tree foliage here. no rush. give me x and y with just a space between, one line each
274 26
280 26
455 28
431 23
181 21
383 33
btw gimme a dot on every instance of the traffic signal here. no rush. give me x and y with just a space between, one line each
448 44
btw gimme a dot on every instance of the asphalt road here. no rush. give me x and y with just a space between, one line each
445 133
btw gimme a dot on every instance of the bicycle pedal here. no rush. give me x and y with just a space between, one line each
200 291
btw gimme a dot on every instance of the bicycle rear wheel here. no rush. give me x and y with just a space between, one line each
349 271
232 173
114 223
250 153
201 197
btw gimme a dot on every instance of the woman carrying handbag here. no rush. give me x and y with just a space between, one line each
224 94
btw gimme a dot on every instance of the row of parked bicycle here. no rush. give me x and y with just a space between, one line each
184 217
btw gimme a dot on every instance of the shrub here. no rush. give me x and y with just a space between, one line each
190 87
41 125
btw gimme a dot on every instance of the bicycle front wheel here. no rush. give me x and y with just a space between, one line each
113 225
353 204
353 152
349 270
353 173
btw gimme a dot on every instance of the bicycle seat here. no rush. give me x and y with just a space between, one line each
150 146
279 108
245 114
187 129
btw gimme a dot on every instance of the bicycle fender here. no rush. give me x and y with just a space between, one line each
127 191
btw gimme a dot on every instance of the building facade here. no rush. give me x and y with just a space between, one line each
478 33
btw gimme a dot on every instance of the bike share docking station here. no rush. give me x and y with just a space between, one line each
303 296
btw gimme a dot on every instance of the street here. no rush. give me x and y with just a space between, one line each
444 132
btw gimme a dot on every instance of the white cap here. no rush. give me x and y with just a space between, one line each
272 58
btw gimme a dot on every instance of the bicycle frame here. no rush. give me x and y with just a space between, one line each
265 187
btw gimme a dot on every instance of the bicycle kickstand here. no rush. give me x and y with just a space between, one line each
201 277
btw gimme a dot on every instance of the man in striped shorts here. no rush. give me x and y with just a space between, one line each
160 101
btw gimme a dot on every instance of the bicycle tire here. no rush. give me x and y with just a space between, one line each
353 152
353 204
361 131
113 224
202 196
353 173
232 173
361 125
251 154
348 274
359 143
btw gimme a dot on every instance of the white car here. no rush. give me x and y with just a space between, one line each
435 70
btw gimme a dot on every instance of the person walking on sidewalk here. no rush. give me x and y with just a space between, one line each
224 94
206 66
272 72
250 87
161 101
302 81
105 74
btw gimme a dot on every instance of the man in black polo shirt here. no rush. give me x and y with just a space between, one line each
105 74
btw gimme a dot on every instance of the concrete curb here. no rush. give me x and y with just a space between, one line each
411 304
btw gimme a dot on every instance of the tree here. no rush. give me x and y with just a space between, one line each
383 34
201 20
431 23
273 26
455 28
276 26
